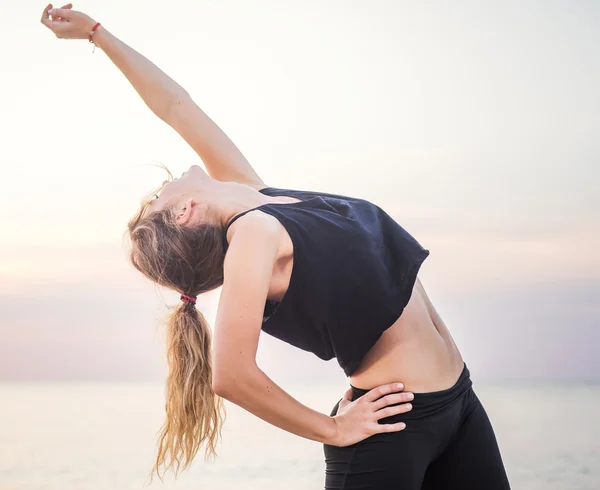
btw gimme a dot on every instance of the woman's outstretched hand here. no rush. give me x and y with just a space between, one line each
67 23
356 420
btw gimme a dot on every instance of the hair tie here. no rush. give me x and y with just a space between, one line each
188 299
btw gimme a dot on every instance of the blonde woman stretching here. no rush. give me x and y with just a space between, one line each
330 274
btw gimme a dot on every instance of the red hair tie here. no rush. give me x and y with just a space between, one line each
188 299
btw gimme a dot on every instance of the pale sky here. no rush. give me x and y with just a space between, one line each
474 124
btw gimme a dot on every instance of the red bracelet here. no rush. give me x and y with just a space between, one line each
91 35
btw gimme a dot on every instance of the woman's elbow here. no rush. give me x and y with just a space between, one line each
221 387
175 104
230 382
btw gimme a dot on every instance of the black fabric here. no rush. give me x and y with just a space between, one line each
353 274
448 444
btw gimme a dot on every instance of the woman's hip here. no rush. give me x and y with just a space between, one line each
395 459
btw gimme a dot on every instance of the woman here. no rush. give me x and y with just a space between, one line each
330 274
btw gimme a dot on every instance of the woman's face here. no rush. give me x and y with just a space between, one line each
181 193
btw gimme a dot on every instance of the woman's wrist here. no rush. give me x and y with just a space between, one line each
330 432
99 35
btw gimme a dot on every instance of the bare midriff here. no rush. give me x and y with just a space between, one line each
416 350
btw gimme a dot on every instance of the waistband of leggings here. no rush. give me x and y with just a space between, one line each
425 404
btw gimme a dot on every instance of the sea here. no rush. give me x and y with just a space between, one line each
101 436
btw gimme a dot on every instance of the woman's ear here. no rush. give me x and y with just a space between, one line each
185 211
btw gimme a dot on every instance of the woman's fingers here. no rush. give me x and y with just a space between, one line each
392 399
387 402
382 390
395 410
68 6
65 7
46 16
60 21
63 14
390 427
56 16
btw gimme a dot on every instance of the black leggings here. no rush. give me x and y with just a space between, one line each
448 444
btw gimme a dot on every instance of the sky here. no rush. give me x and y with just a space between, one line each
475 125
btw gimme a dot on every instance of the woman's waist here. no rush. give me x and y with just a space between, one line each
420 373
429 403
414 352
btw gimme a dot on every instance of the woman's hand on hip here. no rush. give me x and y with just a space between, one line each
66 23
356 420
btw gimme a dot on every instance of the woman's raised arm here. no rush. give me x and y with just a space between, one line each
165 97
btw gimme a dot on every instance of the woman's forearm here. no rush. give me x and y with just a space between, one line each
155 87
257 393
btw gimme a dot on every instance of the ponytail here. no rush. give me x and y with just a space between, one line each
195 414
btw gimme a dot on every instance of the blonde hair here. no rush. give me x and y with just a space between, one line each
188 260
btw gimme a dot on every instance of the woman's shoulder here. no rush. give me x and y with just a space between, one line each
254 238
253 223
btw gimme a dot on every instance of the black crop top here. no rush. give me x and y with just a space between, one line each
353 273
